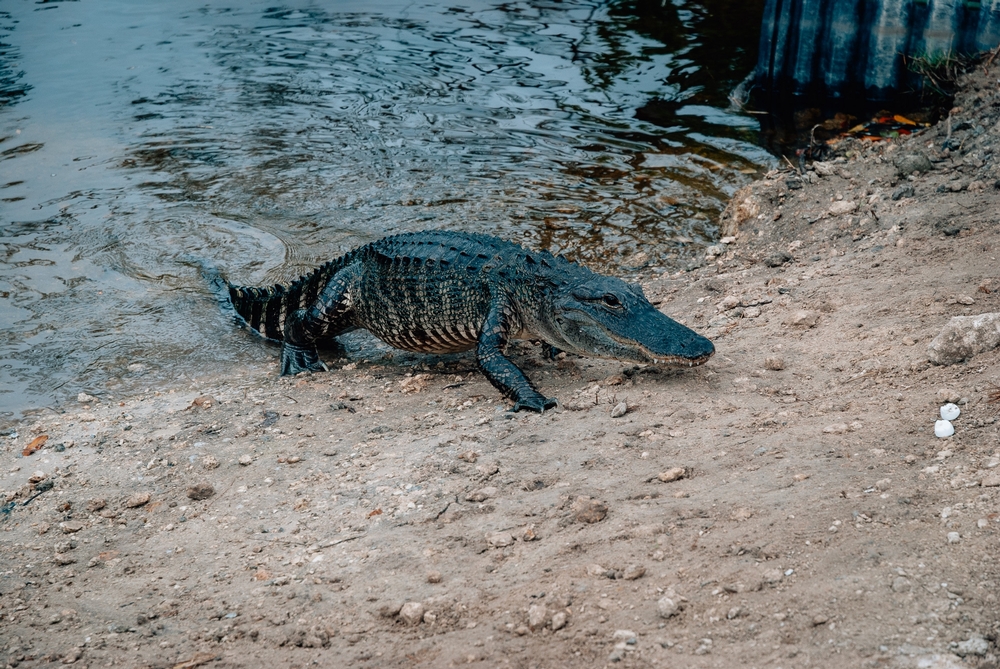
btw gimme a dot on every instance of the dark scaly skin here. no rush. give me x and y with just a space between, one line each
443 292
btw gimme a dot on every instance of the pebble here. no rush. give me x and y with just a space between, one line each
948 396
982 523
499 539
620 410
587 510
625 635
975 645
734 613
434 577
842 207
672 474
210 462
84 398
819 619
617 655
558 621
634 572
778 259
774 363
908 163
772 576
906 190
71 527
246 459
991 480
900 584
803 319
537 615
943 428
201 490
412 613
488 469
883 484
667 607
96 504
954 537
482 494
137 500
836 428
950 411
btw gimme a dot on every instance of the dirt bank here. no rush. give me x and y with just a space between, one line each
786 505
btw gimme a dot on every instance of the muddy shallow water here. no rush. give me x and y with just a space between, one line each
268 138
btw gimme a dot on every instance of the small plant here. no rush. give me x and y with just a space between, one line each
939 72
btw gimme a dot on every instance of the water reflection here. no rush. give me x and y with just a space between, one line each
269 138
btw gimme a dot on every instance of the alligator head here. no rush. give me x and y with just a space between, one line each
605 317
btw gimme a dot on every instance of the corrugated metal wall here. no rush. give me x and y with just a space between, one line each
839 48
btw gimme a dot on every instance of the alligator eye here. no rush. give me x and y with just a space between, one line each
612 300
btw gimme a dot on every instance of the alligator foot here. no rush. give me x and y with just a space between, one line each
295 359
536 403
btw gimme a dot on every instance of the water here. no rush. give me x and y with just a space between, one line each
270 138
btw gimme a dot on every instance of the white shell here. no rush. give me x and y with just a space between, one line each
943 428
950 411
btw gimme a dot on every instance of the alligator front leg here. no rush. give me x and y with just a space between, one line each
499 369
325 318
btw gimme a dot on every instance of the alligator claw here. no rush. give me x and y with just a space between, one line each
539 404
296 359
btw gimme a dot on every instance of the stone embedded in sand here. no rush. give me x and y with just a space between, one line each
963 337
137 500
836 428
633 572
499 539
908 163
210 462
200 491
412 613
991 480
672 474
667 607
803 319
620 410
558 621
245 460
587 510
434 577
537 615
841 207
950 411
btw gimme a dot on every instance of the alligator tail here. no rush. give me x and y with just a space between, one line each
265 308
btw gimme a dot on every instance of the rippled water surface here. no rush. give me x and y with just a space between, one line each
268 138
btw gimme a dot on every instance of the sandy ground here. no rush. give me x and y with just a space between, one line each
786 505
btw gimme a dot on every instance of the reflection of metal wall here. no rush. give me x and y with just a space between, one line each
839 48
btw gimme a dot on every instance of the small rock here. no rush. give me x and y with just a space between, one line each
975 645
487 469
883 484
964 337
905 190
84 398
950 411
734 613
74 654
390 610
667 607
819 619
596 570
96 504
620 410
468 456
948 396
246 459
71 527
634 572
803 319
672 474
200 491
412 613
433 577
209 462
137 500
499 539
908 163
778 259
292 459
774 363
982 523
537 615
842 207
430 618
836 428
954 537
558 621
901 584
617 655
587 510
991 480
625 635
482 494
772 576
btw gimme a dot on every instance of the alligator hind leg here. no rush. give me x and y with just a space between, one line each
499 369
327 317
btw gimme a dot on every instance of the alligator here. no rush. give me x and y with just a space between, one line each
444 292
